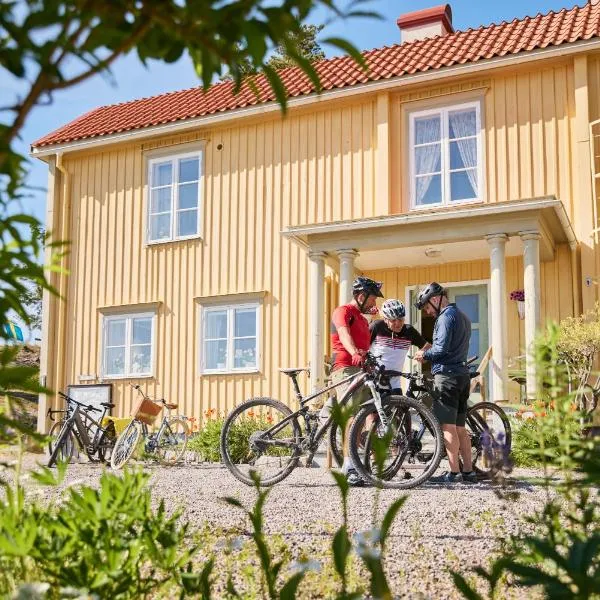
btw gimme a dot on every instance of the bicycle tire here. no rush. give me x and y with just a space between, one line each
475 424
125 445
68 448
334 444
162 456
230 431
394 405
107 442
64 437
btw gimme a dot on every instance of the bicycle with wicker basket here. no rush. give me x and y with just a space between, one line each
167 444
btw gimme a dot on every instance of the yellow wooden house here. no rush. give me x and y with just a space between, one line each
211 237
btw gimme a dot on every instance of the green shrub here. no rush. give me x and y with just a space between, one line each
207 442
105 543
525 447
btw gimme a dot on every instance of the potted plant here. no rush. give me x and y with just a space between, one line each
519 297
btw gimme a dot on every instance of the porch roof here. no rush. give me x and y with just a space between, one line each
545 215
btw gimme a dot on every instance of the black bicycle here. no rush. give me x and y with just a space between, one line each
80 428
265 436
487 424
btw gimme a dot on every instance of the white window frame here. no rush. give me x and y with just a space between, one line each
174 160
445 154
229 308
128 317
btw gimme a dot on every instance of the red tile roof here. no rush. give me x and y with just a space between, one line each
520 35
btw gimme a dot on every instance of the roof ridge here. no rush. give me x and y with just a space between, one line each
330 59
567 25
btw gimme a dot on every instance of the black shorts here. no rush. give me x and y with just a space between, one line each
450 405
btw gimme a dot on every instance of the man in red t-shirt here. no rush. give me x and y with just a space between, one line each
350 341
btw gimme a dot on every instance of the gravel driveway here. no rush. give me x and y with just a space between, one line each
439 528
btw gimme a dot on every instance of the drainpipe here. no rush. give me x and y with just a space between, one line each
63 232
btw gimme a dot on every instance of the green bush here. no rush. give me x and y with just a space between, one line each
525 447
207 442
105 543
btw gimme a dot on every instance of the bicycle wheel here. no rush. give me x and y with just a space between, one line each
413 443
491 437
336 444
172 441
64 444
106 443
260 436
125 445
67 449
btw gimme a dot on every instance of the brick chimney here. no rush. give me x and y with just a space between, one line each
425 23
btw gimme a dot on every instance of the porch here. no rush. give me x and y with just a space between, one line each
531 229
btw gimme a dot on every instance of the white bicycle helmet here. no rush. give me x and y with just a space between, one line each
393 309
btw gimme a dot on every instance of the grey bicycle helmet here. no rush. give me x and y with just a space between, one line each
425 295
368 286
393 309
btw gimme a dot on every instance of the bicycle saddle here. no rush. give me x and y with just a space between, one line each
293 371
170 406
474 374
107 405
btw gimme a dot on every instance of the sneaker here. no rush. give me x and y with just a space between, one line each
470 477
447 477
354 479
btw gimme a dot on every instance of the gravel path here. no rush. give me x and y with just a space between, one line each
439 528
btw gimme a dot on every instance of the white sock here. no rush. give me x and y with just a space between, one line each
348 464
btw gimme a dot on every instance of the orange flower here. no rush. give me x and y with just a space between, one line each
269 419
250 413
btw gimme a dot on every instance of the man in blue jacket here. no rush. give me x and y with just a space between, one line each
448 357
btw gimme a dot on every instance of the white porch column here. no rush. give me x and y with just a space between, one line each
347 258
497 243
316 321
531 265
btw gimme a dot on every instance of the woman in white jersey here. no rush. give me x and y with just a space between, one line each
392 338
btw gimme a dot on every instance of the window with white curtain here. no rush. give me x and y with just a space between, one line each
127 345
230 340
445 155
174 197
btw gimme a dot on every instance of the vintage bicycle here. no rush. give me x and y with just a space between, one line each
167 444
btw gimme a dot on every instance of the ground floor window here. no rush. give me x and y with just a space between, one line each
127 347
230 338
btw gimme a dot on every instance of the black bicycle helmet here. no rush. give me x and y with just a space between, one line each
426 294
368 286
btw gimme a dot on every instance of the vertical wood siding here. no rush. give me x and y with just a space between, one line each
267 176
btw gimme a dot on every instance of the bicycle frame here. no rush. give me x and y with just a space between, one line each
355 381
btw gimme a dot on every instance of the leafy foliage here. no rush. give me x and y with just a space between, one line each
107 542
562 553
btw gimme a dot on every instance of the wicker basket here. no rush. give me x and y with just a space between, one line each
146 411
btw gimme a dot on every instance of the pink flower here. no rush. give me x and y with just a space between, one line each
518 295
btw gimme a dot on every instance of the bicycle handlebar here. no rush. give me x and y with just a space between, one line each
86 407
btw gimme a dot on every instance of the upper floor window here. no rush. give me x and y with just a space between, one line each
127 346
175 196
445 155
230 341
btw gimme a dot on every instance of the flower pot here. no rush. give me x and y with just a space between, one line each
521 309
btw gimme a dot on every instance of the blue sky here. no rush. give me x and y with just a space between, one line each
130 79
